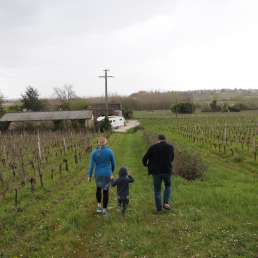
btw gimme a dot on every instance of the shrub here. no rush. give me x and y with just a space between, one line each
4 126
59 125
225 108
14 108
238 157
128 113
188 164
206 108
214 106
183 108
237 107
104 125
77 124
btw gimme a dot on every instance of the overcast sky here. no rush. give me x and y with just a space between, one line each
146 44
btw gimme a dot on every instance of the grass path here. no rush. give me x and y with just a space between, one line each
216 217
117 235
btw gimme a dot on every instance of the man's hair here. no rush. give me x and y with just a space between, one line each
161 137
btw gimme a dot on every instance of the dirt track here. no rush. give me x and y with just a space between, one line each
129 125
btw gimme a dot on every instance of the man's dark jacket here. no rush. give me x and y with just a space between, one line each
159 158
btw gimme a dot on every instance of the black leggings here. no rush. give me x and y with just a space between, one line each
99 196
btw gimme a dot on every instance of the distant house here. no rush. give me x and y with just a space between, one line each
99 109
85 116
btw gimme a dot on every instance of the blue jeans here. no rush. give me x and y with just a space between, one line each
157 182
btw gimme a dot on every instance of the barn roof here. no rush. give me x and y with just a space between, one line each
46 116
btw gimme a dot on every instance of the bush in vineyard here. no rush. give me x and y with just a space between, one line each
188 164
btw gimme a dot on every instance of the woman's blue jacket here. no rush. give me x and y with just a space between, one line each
103 160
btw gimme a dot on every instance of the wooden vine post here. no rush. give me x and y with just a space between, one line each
225 137
254 147
39 147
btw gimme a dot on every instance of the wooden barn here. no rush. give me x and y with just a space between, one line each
19 118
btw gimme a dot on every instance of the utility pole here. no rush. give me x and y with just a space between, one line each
106 91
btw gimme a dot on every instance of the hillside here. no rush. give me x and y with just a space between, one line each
144 100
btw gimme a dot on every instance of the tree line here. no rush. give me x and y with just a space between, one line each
65 98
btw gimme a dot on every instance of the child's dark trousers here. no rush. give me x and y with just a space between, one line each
123 204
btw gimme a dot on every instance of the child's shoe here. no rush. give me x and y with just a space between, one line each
99 210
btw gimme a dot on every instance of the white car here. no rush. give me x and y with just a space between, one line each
116 121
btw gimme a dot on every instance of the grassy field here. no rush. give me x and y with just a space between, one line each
213 217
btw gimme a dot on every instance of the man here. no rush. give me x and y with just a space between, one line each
158 159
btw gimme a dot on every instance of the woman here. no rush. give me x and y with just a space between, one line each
103 160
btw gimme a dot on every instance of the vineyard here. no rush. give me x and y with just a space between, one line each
47 207
224 133
33 160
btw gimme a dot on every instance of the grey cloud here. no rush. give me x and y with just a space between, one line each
32 24
147 44
16 14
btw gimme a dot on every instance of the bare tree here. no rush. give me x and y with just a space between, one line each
65 95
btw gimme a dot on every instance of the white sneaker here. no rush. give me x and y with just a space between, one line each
99 210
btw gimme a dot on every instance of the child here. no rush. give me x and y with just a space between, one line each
122 183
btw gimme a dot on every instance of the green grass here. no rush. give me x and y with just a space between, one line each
213 217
